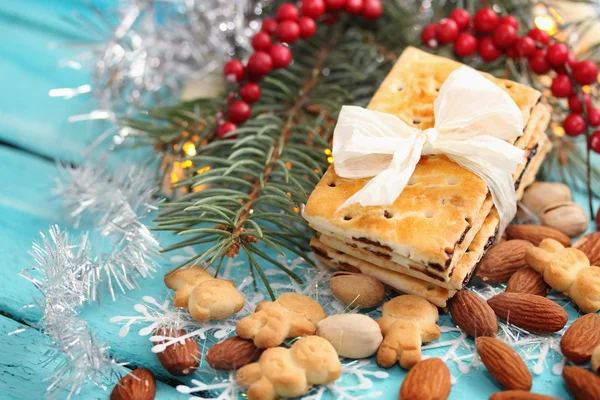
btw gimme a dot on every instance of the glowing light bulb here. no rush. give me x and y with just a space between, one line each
189 148
546 23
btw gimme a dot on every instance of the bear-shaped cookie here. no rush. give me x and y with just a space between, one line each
290 316
282 372
567 270
206 298
407 321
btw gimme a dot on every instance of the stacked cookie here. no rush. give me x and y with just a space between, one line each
430 239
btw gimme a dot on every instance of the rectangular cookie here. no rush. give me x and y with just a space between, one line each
465 266
382 253
442 200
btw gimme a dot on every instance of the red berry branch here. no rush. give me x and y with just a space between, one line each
271 50
492 36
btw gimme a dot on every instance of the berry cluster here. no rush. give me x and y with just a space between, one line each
492 36
272 50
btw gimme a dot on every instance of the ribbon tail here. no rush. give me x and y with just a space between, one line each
500 183
386 186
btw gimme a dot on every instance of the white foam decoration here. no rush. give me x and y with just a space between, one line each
356 383
153 315
226 388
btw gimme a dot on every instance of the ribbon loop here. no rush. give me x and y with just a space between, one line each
473 120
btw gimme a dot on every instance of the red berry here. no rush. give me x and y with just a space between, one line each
465 45
250 92
539 36
333 5
313 8
288 31
224 129
572 61
488 50
259 65
561 86
574 125
485 20
239 111
538 63
354 6
372 9
461 17
234 70
594 117
504 36
261 41
509 20
269 25
512 53
575 105
585 72
287 11
428 36
524 46
308 27
281 55
447 31
595 141
557 54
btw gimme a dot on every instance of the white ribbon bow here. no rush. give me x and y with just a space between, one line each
473 120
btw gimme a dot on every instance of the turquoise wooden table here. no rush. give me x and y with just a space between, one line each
34 132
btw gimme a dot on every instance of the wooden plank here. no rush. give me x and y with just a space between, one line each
24 367
29 117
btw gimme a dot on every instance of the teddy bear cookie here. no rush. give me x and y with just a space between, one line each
407 321
206 298
290 316
282 372
567 270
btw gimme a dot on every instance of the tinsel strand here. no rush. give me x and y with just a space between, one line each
116 203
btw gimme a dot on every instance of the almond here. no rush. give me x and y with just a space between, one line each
535 234
503 260
533 313
590 245
137 385
232 353
519 395
596 359
526 280
427 380
582 337
503 363
178 359
473 315
582 384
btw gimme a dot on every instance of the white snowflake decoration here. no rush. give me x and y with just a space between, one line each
154 315
227 388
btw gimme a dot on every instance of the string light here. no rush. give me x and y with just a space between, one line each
189 148
327 152
546 24
203 170
330 160
187 164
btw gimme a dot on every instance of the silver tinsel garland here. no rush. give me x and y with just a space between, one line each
61 273
115 203
142 52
